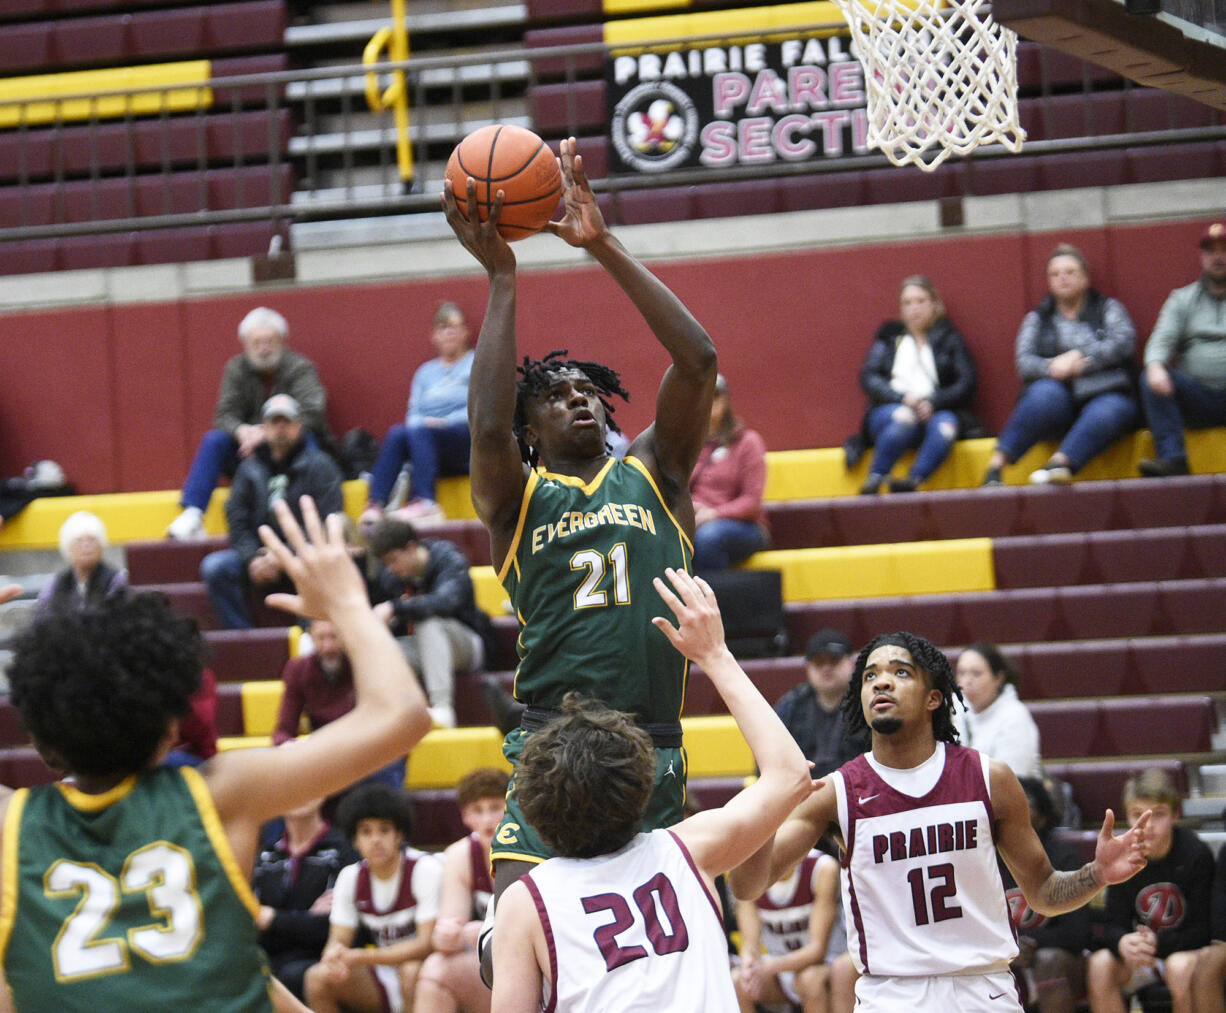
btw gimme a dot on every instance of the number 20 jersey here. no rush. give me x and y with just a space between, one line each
635 931
579 574
130 900
922 894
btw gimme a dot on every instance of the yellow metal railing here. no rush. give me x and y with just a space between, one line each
394 39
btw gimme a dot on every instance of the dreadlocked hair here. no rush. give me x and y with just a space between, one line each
929 659
536 377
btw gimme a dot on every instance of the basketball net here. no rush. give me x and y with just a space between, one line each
941 77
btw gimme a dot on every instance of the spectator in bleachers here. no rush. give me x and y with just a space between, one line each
726 487
265 367
198 728
428 602
1050 965
1185 361
811 711
994 720
88 578
293 881
1209 975
1156 921
392 894
919 377
318 685
790 938
433 439
284 466
450 979
1074 356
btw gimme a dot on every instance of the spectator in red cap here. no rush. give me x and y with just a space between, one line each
1185 361
811 710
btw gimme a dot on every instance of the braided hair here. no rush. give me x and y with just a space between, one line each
537 375
931 660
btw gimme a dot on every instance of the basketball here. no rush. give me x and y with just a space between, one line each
517 162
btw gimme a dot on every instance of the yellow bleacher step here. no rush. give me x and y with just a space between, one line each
868 571
714 748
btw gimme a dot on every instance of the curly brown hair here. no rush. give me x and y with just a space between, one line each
583 781
484 782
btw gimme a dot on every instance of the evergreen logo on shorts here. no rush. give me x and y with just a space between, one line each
654 126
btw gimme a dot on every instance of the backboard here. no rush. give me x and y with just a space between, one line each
1179 47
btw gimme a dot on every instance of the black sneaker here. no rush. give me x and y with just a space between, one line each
907 484
872 484
992 477
1163 467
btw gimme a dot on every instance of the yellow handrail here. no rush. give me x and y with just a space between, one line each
395 39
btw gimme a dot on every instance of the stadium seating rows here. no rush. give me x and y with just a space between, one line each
143 36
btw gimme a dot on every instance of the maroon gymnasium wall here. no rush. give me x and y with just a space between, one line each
120 395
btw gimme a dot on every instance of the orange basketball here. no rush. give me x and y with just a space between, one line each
515 161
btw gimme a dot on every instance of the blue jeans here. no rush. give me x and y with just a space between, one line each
216 455
725 541
1047 410
432 452
225 576
895 429
1191 405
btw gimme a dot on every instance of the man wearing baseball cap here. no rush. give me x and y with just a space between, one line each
1185 361
283 465
810 711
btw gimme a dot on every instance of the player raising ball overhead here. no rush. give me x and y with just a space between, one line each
577 535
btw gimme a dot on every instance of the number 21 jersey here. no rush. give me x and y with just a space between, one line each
579 574
923 893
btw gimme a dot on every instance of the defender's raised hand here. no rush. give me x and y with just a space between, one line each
699 633
317 561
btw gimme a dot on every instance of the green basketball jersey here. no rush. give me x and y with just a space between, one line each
579 575
129 900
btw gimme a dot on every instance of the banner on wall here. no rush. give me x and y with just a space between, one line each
794 99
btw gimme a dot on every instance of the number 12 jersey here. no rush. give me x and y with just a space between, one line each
922 894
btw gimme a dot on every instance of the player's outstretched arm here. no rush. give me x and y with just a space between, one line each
683 404
790 843
719 839
520 956
389 715
496 469
1051 891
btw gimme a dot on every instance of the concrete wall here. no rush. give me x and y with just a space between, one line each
119 392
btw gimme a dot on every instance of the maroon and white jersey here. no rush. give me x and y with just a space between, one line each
922 892
635 931
483 883
391 909
784 911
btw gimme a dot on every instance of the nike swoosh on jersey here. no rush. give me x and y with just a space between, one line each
996 996
868 798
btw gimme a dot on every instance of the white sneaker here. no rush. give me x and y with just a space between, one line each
443 717
419 511
188 526
1053 474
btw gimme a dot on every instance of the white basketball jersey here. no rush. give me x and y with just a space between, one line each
922 894
636 930
784 911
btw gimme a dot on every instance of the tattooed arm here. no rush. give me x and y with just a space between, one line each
1047 890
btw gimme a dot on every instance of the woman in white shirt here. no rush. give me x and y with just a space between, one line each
995 721
919 378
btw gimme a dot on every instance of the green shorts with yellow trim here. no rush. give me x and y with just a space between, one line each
516 841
